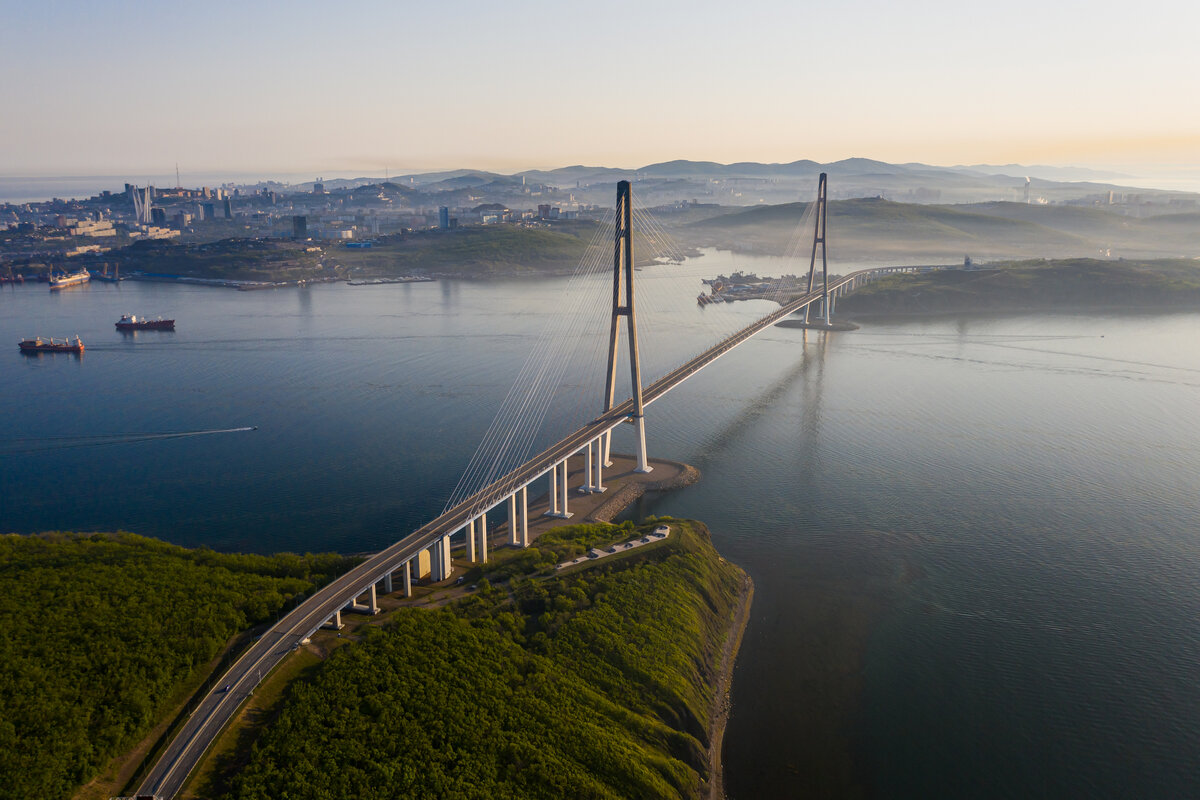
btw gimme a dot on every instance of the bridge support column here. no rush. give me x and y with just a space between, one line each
587 470
442 566
598 444
334 622
407 578
372 606
553 511
387 583
513 533
606 449
524 516
564 511
483 537
642 466
469 531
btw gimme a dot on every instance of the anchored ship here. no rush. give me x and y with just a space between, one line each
51 345
130 322
73 279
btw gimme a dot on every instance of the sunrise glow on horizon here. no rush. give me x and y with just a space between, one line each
299 87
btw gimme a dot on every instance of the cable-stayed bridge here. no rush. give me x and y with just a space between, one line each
504 466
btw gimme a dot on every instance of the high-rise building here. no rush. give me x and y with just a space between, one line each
444 218
208 211
228 208
158 216
300 227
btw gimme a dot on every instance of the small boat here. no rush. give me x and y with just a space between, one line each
130 322
51 345
73 279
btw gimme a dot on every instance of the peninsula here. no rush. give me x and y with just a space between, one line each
629 654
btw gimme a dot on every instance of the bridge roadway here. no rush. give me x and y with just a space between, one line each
221 704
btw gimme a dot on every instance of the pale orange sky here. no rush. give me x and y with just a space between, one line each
366 86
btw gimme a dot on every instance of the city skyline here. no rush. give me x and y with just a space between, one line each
134 88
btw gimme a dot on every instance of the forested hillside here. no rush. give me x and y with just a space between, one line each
98 631
1028 285
592 684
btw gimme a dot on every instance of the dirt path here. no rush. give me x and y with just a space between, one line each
721 699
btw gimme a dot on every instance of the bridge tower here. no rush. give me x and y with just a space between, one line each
622 306
819 238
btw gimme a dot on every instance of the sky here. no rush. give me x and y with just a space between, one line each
349 88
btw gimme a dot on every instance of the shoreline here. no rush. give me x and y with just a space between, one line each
722 698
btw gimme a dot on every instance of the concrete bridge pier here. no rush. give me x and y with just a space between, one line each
642 466
407 572
524 507
469 533
552 510
334 622
371 608
558 492
512 519
387 583
442 566
483 537
598 444
594 466
564 512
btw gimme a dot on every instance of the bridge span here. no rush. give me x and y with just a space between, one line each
426 551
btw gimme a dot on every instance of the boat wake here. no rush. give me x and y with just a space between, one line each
34 444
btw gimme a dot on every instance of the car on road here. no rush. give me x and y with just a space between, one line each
227 688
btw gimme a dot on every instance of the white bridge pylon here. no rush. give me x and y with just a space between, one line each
426 552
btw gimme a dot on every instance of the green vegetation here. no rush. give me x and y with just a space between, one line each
230 259
594 684
477 251
98 631
1079 282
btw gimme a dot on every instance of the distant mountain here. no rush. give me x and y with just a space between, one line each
568 176
871 228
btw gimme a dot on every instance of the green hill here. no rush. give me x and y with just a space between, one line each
1069 283
476 251
594 684
99 633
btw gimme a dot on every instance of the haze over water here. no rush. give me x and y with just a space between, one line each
1024 485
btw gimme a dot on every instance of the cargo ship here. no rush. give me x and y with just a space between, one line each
51 345
130 322
73 279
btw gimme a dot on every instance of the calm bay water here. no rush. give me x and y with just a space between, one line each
1032 479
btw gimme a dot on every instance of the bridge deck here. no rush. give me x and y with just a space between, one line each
185 751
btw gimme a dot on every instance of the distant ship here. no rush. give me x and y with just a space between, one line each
63 281
104 276
130 322
51 345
